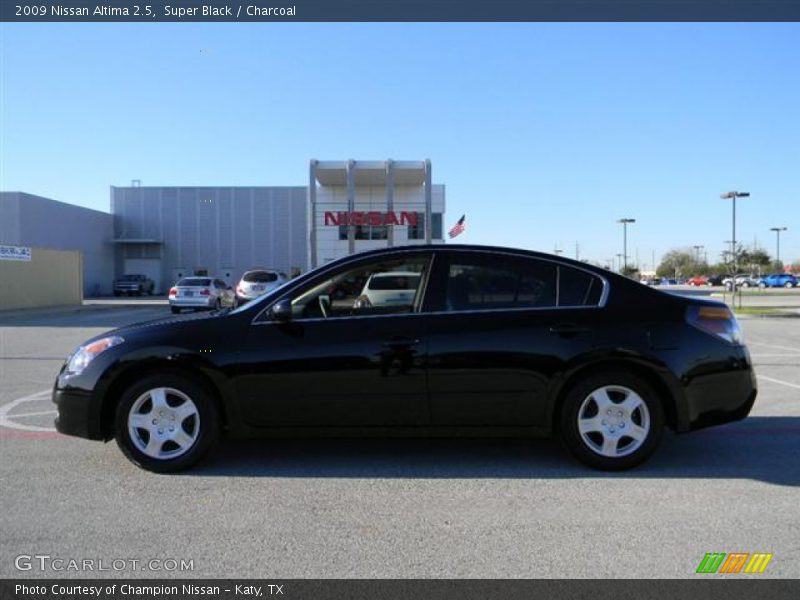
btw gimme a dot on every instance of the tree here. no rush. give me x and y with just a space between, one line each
679 263
630 271
755 260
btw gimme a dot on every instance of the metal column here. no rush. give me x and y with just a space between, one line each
428 202
390 199
351 205
312 196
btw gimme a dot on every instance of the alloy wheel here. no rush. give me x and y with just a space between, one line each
613 421
163 423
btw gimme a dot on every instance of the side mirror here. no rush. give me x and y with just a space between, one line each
281 311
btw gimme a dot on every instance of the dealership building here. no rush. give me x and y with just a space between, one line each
170 232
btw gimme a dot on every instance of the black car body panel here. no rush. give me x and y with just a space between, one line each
435 370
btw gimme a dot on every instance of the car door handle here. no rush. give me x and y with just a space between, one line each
399 342
567 329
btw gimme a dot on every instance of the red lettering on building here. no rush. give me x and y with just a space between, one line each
374 218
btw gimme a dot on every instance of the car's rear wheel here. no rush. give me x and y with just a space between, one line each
175 310
612 421
788 284
166 423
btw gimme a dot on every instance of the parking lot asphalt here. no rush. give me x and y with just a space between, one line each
396 508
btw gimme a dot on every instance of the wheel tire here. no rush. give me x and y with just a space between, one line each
201 429
745 285
787 285
579 404
175 310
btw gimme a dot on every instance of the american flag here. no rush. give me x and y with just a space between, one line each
459 227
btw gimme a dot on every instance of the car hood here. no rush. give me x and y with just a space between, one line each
161 324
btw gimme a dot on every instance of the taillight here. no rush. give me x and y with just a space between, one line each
173 291
716 320
205 292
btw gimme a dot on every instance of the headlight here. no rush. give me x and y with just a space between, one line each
85 354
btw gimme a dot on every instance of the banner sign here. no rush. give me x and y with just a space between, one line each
15 253
387 589
154 11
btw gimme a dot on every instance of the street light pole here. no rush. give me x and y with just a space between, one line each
619 257
733 196
697 252
625 222
777 231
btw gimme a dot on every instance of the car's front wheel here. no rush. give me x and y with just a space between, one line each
166 423
788 284
612 421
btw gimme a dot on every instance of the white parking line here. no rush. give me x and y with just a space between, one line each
34 414
5 410
780 382
749 343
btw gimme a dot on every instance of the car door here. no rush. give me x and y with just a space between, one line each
339 361
501 327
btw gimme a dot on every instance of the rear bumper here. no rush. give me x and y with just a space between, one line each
718 398
199 302
76 414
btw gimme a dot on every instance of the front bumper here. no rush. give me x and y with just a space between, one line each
77 414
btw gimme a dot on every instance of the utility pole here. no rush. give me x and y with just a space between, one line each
777 231
625 222
733 196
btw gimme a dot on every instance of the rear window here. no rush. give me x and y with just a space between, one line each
194 282
260 277
578 288
394 282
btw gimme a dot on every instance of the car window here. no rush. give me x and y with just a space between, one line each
380 288
260 277
578 288
194 282
479 283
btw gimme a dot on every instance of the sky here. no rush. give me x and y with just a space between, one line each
543 134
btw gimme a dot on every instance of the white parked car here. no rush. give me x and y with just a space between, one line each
200 293
392 288
257 283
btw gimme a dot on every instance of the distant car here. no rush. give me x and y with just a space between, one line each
133 284
742 280
779 280
714 280
389 289
698 280
668 281
200 293
258 282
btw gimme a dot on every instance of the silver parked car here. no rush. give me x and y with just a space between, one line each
258 282
200 293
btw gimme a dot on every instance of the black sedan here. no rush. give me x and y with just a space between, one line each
487 341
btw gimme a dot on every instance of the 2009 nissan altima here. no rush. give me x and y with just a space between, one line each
488 341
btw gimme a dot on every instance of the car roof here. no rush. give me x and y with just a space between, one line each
478 248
